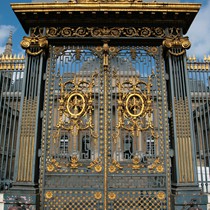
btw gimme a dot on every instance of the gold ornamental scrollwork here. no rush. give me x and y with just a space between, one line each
75 115
114 166
96 165
75 106
54 165
156 165
134 105
34 45
105 32
171 43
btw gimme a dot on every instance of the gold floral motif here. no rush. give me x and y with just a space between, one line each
33 42
136 163
161 195
112 195
74 162
160 169
48 194
152 50
98 195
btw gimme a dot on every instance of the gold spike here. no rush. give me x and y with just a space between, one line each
205 58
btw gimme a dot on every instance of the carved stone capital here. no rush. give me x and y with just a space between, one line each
34 45
171 43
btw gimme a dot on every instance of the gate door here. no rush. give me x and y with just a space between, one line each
105 132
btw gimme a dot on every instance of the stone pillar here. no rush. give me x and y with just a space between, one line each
25 186
184 176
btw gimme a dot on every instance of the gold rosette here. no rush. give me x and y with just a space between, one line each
48 195
98 195
112 195
161 195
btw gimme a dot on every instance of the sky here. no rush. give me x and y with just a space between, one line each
198 32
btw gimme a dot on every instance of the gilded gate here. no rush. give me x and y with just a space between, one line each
109 88
105 129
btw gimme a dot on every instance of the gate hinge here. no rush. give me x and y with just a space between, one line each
171 153
44 76
41 114
167 76
169 114
39 152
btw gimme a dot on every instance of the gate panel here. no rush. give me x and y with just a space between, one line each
138 135
105 131
72 163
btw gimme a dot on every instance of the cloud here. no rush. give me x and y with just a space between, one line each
4 34
199 33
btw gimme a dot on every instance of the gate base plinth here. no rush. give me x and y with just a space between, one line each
22 195
183 197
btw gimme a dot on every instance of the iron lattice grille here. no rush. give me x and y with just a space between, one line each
138 200
73 200
83 99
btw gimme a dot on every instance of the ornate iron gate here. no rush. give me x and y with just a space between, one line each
105 129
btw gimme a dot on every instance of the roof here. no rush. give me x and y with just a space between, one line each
130 13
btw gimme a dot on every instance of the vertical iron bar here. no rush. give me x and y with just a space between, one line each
105 65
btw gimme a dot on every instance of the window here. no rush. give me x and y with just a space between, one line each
64 142
86 149
128 147
150 146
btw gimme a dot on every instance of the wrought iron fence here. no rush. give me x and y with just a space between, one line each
11 74
199 82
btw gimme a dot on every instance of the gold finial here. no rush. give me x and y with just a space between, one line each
205 58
